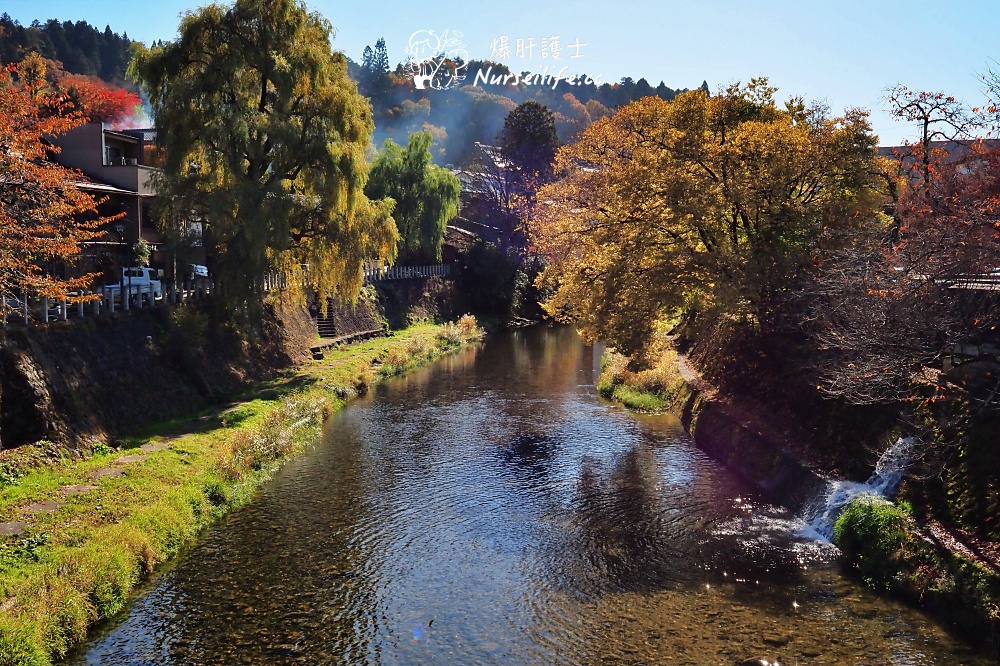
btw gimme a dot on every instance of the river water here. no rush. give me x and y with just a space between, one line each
490 509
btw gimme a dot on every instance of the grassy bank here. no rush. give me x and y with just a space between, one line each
78 564
647 390
891 552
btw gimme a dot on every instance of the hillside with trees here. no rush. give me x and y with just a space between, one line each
459 116
80 47
456 118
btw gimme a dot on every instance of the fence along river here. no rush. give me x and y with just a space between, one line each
490 509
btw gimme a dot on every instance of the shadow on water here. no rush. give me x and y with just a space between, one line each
528 450
490 509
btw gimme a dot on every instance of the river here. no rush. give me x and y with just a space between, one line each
490 509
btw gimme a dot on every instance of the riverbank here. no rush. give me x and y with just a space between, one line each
85 533
946 571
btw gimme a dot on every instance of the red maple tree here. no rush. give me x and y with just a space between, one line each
44 216
93 99
97 100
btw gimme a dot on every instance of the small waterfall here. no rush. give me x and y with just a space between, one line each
821 513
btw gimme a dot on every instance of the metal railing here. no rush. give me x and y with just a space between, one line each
105 300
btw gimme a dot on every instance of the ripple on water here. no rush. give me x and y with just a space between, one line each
495 512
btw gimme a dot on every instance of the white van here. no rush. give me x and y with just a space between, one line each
138 281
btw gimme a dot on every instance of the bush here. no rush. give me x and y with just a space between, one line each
647 390
614 373
278 434
9 474
465 330
872 532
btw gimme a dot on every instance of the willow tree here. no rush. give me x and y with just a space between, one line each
717 203
426 195
264 137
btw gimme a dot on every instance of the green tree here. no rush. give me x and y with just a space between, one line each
426 195
264 139
373 79
529 141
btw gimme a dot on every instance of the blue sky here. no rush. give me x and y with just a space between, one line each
845 53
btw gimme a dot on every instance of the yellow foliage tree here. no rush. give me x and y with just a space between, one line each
704 203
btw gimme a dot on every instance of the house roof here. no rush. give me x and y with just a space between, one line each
458 237
494 154
144 135
90 185
147 135
955 150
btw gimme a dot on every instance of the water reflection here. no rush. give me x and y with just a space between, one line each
491 510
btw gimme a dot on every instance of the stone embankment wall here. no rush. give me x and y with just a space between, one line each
752 456
431 298
105 377
102 378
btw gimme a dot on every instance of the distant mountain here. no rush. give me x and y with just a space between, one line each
457 116
460 113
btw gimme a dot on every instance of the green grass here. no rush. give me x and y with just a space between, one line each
873 532
637 400
78 565
889 553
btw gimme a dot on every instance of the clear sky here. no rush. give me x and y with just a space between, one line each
845 52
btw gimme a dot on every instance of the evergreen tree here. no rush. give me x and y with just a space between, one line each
80 47
529 141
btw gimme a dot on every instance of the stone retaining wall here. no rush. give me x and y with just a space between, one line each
751 456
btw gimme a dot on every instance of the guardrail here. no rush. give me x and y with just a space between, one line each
94 303
378 274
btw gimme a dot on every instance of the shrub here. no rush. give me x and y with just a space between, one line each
19 646
216 493
278 434
465 330
469 327
9 474
396 357
614 373
872 532
101 449
416 348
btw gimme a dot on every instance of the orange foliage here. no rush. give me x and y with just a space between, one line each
44 217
